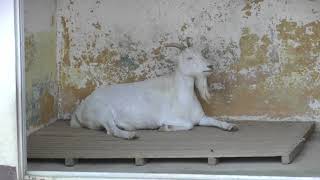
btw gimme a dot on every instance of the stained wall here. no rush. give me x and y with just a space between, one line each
40 62
266 53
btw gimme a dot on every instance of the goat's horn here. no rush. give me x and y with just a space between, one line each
176 45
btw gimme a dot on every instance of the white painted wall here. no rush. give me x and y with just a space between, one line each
8 127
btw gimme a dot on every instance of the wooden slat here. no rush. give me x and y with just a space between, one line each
253 139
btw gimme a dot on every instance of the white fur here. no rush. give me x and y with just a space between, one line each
167 103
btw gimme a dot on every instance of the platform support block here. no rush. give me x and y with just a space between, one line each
70 162
296 149
140 161
213 161
286 159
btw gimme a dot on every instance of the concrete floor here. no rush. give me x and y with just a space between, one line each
306 164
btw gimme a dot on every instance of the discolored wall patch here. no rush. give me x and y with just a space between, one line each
40 78
47 107
249 5
261 86
40 63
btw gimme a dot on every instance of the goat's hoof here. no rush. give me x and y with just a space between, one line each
132 136
164 128
232 127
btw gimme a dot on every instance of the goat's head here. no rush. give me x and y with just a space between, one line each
192 63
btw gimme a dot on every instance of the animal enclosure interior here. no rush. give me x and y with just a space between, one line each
266 71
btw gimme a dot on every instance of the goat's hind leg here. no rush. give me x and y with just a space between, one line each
209 121
107 119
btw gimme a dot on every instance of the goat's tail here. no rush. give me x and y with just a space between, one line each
113 129
74 123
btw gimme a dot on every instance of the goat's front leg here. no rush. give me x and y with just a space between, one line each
209 121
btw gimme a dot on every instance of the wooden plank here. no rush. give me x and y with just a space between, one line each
254 139
288 157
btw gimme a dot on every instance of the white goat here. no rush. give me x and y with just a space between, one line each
167 103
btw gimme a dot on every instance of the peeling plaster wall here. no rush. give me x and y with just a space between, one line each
266 53
40 62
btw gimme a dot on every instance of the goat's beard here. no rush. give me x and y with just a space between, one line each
201 84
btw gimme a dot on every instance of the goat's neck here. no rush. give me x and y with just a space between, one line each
184 85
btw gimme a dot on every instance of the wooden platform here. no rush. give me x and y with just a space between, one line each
253 139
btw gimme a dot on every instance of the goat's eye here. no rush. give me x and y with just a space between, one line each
189 58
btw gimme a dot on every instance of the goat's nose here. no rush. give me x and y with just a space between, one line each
210 66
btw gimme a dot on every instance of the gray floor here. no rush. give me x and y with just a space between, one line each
306 164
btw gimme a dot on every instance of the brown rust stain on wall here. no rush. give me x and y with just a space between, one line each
72 95
301 44
66 41
250 4
109 66
30 51
299 78
105 55
237 97
263 89
253 49
47 109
